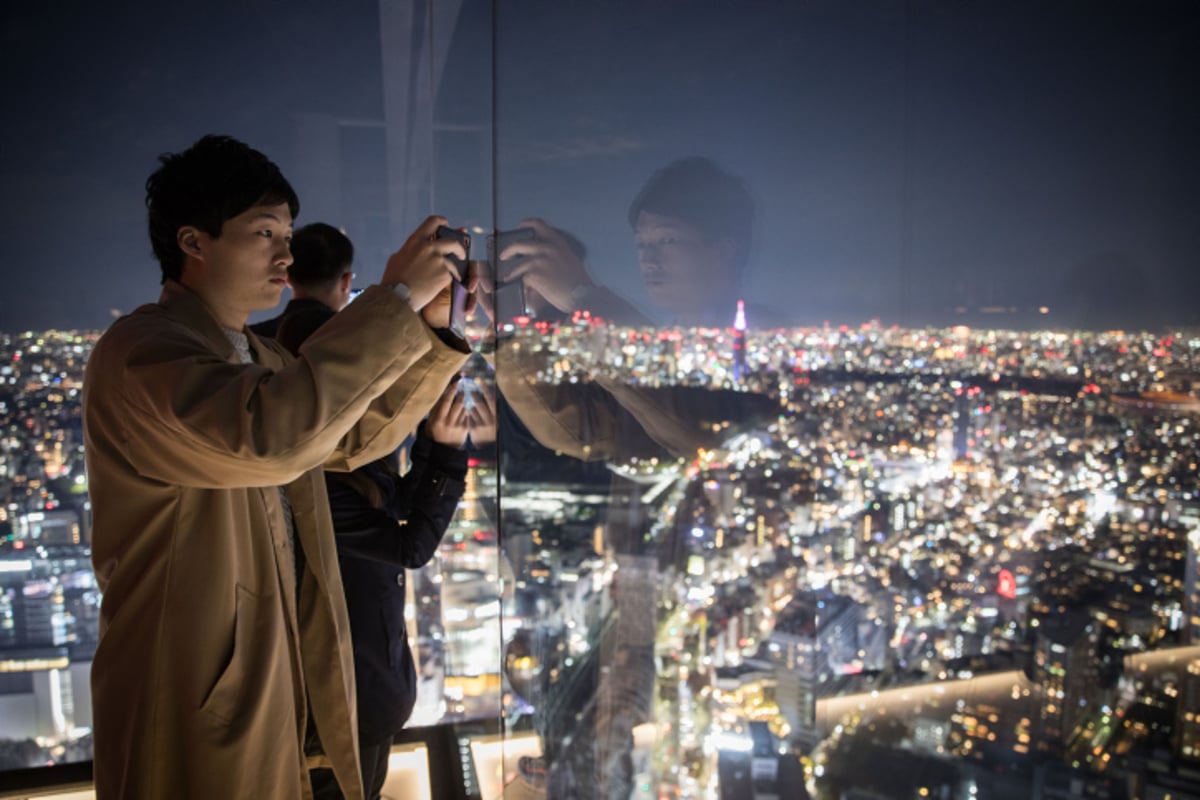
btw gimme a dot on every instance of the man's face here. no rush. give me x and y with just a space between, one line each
245 268
684 270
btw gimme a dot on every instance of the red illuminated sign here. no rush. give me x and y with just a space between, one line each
1007 585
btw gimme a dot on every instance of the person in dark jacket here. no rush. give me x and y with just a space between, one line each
384 523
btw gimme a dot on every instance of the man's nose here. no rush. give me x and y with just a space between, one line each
283 254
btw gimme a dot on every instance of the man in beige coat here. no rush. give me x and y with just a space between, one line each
224 666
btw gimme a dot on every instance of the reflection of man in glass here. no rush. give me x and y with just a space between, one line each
692 225
224 640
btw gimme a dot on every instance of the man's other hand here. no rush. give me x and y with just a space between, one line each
437 311
547 265
448 422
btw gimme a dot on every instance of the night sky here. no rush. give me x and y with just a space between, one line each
906 158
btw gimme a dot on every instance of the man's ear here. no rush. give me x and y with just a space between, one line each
188 238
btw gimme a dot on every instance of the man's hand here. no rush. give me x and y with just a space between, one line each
447 423
547 264
425 264
437 312
481 419
485 290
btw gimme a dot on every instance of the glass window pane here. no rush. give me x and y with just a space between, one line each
848 414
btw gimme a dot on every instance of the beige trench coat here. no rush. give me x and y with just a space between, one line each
205 658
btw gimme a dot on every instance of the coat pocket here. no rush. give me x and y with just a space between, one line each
255 661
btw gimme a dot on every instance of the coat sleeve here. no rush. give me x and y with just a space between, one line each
429 494
178 413
418 508
583 420
396 413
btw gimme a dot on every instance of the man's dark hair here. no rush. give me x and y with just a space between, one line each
320 255
699 192
212 181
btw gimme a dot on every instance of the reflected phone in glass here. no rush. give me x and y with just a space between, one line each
509 295
458 291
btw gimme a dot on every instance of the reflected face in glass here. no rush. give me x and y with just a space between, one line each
245 268
684 270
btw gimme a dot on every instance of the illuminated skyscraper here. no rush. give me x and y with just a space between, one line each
796 679
815 638
38 611
739 342
1067 663
962 425
1187 715
1191 587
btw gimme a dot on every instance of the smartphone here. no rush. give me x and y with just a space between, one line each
458 291
510 295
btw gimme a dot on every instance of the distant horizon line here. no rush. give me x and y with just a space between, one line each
829 324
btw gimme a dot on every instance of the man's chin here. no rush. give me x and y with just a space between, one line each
268 299
666 297
660 293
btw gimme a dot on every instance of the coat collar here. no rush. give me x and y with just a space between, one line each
303 304
184 306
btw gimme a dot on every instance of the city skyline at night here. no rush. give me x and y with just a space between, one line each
846 384
945 556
